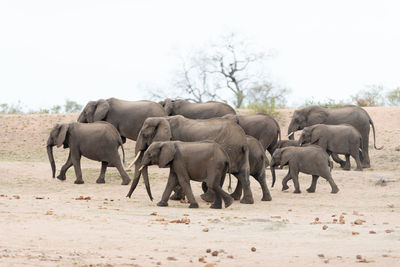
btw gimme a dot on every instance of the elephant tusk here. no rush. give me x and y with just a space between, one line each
134 161
141 168
289 135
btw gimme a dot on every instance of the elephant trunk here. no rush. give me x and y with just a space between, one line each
51 159
273 176
291 130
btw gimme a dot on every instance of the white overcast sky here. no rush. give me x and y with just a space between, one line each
86 50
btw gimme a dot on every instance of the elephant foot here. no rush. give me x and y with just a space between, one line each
236 196
228 202
176 196
266 197
216 206
346 168
366 165
79 182
247 200
359 169
334 190
61 177
342 164
194 205
207 197
162 204
297 192
311 190
126 182
285 187
100 181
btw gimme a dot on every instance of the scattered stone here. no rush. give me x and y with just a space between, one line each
358 257
158 263
208 250
355 212
201 259
325 227
49 212
358 222
16 197
326 261
39 197
214 253
183 220
230 256
185 214
153 213
209 265
171 258
389 231
253 249
275 216
355 233
321 255
316 219
205 230
372 232
390 206
83 198
385 255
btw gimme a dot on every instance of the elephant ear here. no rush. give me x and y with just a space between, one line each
101 110
316 115
163 131
168 106
167 154
286 156
316 135
62 133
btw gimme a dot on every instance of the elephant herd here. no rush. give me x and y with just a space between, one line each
205 141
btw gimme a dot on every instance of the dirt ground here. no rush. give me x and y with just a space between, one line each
46 222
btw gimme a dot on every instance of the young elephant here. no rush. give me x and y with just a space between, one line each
308 159
197 161
286 143
97 141
338 139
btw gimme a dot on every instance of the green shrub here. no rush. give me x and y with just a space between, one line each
393 97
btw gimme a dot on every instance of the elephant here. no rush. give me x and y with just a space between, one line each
207 110
258 162
97 141
262 127
198 161
178 128
339 139
126 116
349 114
309 159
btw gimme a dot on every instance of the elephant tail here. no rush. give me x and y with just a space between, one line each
228 170
123 151
373 130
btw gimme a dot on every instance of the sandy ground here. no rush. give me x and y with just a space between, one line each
46 222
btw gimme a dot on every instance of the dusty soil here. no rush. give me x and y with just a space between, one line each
46 222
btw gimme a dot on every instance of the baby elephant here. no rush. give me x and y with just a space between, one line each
197 161
338 139
97 141
308 159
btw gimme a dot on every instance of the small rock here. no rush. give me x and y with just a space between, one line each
389 231
253 249
153 213
214 253
171 258
325 227
208 250
201 259
358 222
321 255
358 257
372 232
390 206
205 230
209 265
230 256
355 233
326 261
316 219
158 263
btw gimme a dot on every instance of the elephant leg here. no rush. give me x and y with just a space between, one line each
285 181
337 159
264 187
125 177
217 204
101 180
243 177
334 188
313 185
76 161
172 182
356 156
220 193
65 167
295 177
238 191
184 181
178 193
347 166
364 154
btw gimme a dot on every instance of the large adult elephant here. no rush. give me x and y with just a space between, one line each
262 127
225 132
126 116
207 110
350 114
